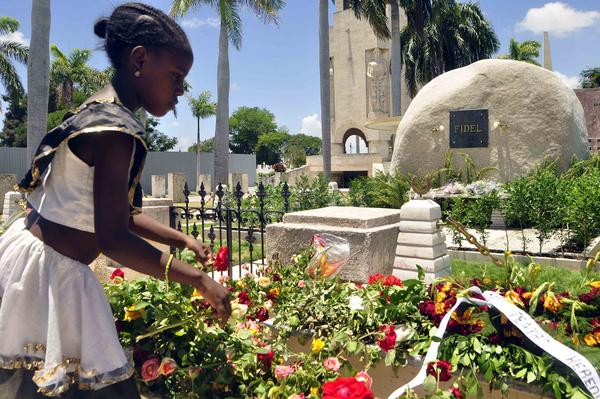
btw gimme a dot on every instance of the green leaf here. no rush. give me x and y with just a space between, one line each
390 357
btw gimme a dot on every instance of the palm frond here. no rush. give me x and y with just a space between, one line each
8 25
14 50
9 77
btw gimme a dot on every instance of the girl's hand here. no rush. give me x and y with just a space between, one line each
217 296
202 251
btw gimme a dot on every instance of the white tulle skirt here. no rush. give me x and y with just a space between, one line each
55 318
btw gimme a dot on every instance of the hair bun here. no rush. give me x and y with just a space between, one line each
100 27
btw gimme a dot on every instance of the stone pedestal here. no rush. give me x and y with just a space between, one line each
235 178
10 204
333 187
7 183
371 233
207 180
421 242
175 185
159 186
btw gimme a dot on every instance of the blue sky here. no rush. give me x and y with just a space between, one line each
277 66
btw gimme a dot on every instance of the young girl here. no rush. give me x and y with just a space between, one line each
57 334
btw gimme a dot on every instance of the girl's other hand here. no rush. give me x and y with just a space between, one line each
202 251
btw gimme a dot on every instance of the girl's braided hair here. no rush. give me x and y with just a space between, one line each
136 24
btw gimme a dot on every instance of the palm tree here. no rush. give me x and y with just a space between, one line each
230 29
526 51
38 68
10 50
66 71
202 108
453 35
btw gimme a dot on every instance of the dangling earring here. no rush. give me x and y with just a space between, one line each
137 74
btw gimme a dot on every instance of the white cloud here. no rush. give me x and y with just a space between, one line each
184 142
15 37
311 125
571 81
174 123
558 18
213 22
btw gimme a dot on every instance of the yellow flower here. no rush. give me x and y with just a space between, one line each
595 284
440 308
486 281
597 336
317 345
264 282
527 295
514 298
314 391
440 297
552 303
274 291
241 284
196 293
447 287
464 318
590 340
132 314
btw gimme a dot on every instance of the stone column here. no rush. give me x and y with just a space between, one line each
175 185
10 204
159 189
7 183
421 242
206 179
235 178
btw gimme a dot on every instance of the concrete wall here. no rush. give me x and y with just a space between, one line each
13 160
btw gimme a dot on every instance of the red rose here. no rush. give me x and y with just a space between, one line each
117 273
375 278
427 308
495 339
266 359
389 341
346 388
392 280
440 370
222 260
261 314
243 298
456 393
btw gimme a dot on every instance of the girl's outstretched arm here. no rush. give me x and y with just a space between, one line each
112 156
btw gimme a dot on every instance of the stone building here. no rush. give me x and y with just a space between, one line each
590 100
360 96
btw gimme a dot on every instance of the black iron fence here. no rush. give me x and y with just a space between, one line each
232 219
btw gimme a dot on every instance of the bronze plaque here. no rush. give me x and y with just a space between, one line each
469 128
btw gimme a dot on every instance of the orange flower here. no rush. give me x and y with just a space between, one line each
167 366
590 340
527 295
440 308
514 298
552 303
595 284
132 314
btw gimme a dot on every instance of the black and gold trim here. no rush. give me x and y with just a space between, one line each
94 117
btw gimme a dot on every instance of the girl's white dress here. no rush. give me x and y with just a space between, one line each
54 314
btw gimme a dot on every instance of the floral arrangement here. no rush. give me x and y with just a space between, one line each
179 350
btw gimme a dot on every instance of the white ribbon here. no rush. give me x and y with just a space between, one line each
521 320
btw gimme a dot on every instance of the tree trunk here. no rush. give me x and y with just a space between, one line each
221 152
396 60
325 88
198 156
38 71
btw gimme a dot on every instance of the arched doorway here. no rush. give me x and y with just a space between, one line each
355 142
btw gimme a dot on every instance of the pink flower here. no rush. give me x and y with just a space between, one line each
150 370
167 366
301 283
364 377
224 280
297 396
283 371
332 364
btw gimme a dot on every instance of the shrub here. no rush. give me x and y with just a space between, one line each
583 205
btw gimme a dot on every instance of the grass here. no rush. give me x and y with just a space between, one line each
565 280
